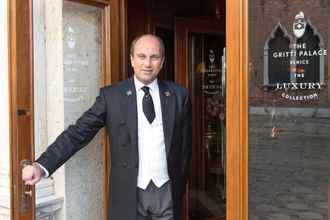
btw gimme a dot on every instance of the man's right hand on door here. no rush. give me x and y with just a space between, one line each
32 174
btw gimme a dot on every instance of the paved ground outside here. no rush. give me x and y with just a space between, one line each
289 175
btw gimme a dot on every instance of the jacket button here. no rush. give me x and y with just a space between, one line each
124 165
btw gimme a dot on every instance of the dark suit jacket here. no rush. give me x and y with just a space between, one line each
116 109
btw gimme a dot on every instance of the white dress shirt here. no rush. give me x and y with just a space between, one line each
152 151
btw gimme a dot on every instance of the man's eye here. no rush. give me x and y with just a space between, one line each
155 57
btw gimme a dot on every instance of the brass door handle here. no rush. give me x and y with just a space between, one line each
26 197
27 190
28 193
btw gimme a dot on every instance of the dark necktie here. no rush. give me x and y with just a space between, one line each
148 105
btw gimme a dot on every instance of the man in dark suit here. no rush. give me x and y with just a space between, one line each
149 126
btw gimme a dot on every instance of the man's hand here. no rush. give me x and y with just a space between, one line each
32 174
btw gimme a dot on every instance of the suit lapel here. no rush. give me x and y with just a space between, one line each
167 101
129 108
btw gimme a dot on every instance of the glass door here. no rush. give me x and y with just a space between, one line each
199 64
67 77
207 184
289 110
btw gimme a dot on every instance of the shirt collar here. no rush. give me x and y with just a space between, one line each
138 84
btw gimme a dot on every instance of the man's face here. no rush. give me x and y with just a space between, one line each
147 59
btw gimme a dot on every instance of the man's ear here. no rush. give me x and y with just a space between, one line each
131 58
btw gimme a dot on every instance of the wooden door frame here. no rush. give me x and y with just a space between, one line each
20 34
20 69
237 108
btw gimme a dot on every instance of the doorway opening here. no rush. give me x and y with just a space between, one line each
194 36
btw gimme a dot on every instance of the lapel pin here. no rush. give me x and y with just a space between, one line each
129 92
167 93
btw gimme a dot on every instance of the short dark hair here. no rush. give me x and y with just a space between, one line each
161 44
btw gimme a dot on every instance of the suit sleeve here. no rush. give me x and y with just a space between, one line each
187 137
75 137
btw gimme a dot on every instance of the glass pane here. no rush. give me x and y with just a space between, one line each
82 80
207 183
67 56
289 110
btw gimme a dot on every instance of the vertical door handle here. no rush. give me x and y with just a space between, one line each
26 190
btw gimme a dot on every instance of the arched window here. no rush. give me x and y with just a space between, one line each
288 59
276 60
